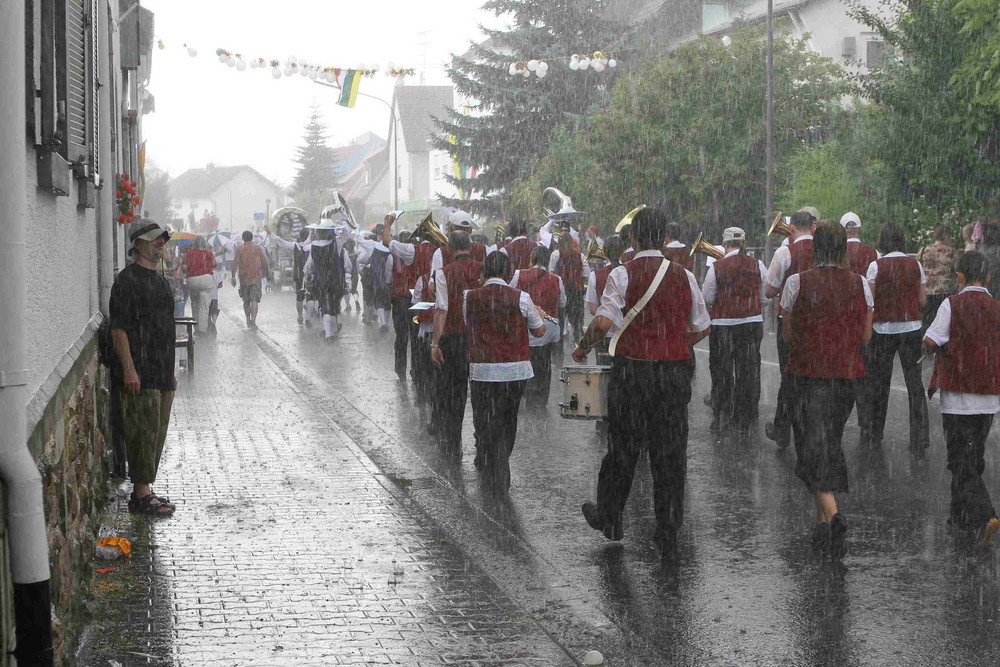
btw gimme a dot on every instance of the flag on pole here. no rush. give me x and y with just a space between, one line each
348 80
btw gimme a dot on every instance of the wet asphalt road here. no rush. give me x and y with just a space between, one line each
748 590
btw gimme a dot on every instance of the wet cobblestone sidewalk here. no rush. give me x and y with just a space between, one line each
289 547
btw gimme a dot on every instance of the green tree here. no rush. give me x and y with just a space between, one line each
686 131
315 178
512 120
156 199
978 76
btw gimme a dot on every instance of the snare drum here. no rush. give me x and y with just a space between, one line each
585 392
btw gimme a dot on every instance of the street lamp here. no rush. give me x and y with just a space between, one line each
395 142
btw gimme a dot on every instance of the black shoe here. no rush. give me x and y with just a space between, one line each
838 536
821 537
772 433
612 530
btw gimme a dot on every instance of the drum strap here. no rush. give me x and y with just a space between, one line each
640 304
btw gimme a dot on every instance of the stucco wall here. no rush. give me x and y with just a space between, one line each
62 292
248 193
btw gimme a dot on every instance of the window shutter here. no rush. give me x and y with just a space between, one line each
73 101
850 47
94 134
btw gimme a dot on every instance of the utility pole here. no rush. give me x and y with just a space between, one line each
769 129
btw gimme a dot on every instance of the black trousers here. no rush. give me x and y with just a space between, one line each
494 416
965 436
573 312
401 322
647 406
451 388
934 302
734 363
783 409
536 391
881 351
822 407
421 366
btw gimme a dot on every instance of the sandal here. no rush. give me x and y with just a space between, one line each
150 505
162 499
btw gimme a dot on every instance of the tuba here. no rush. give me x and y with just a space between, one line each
500 236
703 247
566 212
596 252
779 226
627 220
428 230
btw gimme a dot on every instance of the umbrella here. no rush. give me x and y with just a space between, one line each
182 238
219 241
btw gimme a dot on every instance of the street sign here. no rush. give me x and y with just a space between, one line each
258 216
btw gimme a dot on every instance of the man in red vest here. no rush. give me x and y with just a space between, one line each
457 221
828 317
676 250
519 248
499 318
966 335
569 263
449 347
547 292
734 292
859 255
650 384
786 262
898 284
613 249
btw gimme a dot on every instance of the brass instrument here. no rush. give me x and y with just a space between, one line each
429 231
566 212
555 241
500 236
779 226
703 247
596 252
627 220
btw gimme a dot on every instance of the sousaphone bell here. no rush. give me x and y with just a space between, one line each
596 252
703 247
780 227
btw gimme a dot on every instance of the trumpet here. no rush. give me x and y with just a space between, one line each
596 252
779 226
703 247
429 231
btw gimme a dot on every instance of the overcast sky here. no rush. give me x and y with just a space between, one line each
208 112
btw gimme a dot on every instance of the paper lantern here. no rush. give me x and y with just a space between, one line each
276 73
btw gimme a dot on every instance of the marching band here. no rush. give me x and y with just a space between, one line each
485 320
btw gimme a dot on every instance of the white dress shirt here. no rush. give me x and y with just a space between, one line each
710 288
955 402
613 300
895 327
781 262
511 370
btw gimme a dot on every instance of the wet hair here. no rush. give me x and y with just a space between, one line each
516 226
479 238
829 244
891 239
942 234
303 235
967 231
649 227
626 233
614 246
200 243
973 266
540 256
991 233
802 219
247 236
674 231
497 265
459 241
379 228
404 236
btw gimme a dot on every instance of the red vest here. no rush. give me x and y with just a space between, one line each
542 287
400 279
659 331
802 257
460 275
860 257
897 290
737 279
570 267
519 252
601 279
426 295
498 331
422 255
627 256
477 251
970 362
829 324
680 255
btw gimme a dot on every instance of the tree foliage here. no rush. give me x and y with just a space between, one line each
315 178
512 119
686 131
978 76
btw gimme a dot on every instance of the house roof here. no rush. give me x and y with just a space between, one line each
195 183
417 105
632 12
352 158
377 163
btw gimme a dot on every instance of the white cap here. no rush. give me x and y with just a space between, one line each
731 234
811 210
850 220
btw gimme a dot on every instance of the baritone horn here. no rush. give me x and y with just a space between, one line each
429 231
703 247
596 252
779 226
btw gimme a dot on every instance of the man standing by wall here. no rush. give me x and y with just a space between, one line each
251 266
142 327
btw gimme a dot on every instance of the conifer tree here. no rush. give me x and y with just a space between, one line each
315 178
